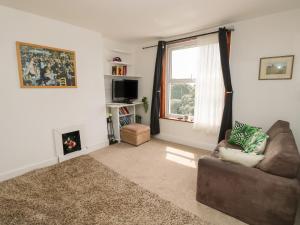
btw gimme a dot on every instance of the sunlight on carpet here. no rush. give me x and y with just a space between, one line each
181 157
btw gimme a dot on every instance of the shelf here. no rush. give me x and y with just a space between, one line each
130 114
122 76
120 63
119 105
121 51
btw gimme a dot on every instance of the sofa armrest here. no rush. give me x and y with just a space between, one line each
246 193
227 134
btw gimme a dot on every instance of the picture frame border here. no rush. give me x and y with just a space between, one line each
59 143
19 62
283 56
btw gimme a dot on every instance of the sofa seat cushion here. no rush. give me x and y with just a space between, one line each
281 156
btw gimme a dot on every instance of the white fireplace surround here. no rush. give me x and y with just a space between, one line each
59 143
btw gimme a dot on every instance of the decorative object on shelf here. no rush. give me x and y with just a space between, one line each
110 130
69 142
117 59
276 68
45 67
145 104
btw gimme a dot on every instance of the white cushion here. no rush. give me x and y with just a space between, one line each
237 156
261 148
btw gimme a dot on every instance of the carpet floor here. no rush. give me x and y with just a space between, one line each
164 168
84 191
167 169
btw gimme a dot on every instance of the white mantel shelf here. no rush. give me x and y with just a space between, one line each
122 76
119 105
119 63
121 51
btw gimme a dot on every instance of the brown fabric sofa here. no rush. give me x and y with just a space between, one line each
265 195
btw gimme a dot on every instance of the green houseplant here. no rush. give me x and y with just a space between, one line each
145 104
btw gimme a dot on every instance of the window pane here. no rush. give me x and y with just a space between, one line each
182 99
185 63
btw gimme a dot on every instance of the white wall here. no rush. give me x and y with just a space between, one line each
256 102
145 63
263 102
28 116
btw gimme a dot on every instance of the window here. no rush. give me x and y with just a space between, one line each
182 67
194 88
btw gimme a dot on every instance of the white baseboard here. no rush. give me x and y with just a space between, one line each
86 150
98 146
184 141
19 171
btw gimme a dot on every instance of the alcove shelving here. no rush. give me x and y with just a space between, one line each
119 117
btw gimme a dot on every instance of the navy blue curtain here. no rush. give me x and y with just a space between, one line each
224 44
155 106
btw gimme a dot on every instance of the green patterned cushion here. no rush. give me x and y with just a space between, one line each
241 133
256 143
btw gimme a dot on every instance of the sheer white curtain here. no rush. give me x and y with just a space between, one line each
209 90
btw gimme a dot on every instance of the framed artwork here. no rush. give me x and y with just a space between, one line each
69 142
45 67
276 68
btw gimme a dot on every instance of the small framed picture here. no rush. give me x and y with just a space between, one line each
69 142
276 68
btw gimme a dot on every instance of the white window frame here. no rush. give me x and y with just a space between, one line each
169 80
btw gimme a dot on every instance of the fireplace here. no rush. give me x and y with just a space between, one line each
69 142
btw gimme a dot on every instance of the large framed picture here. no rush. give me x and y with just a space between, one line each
45 67
276 68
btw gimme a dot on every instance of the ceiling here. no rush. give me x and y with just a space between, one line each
138 20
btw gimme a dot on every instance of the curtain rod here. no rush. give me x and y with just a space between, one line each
187 38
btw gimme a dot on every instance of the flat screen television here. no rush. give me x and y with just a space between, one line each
124 90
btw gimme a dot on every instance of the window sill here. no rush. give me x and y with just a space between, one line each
176 119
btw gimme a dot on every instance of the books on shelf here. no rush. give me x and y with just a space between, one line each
123 111
124 121
124 116
119 70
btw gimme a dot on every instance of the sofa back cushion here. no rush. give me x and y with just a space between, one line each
281 156
279 127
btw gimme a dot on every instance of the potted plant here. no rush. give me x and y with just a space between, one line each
145 104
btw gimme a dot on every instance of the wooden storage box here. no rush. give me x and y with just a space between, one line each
135 134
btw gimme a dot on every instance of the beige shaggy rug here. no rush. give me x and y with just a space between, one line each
84 191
